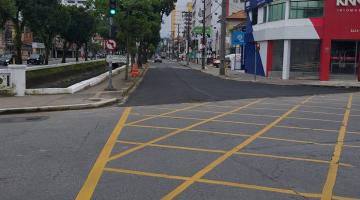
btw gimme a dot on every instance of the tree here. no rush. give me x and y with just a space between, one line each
84 30
46 18
11 10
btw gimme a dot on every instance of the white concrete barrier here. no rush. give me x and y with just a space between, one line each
76 87
14 79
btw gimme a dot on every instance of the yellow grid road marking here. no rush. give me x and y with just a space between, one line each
167 113
178 131
224 183
237 153
334 165
225 156
93 178
229 121
247 135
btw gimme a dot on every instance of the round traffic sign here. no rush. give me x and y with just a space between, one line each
110 44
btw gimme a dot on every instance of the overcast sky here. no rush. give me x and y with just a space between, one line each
166 27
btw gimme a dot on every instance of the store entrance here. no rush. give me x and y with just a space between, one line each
344 59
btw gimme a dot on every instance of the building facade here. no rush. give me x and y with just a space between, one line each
303 39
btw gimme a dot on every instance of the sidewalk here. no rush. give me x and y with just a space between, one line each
89 98
241 76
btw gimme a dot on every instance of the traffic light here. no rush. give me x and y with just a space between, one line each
112 6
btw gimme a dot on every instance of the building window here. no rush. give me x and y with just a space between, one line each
306 9
278 55
254 16
277 10
305 55
265 14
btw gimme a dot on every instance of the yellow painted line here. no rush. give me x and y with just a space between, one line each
174 147
235 122
353 132
220 133
223 183
344 198
141 173
306 128
248 135
260 108
225 156
155 127
167 113
178 131
351 146
256 187
237 153
201 119
323 113
312 119
334 164
93 178
291 158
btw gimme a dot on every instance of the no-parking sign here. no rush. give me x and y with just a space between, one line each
110 44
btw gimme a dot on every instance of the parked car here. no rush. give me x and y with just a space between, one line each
7 59
157 59
35 59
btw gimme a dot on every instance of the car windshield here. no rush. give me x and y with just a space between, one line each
35 56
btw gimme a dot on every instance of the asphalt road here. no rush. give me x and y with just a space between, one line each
187 135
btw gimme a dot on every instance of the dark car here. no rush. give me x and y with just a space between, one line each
35 59
7 59
158 59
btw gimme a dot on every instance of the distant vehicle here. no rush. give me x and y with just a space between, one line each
7 59
163 55
36 59
157 59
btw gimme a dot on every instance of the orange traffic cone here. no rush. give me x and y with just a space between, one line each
135 72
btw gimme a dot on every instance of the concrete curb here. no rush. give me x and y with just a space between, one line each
133 87
102 103
226 77
105 102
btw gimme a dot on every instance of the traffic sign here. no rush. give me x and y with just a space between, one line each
237 38
116 59
110 44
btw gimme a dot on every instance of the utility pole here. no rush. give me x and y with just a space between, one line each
223 37
173 44
188 19
204 37
112 12
178 39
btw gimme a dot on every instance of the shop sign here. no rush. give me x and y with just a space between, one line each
347 2
199 30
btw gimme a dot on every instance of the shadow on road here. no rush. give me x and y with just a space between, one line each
168 85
